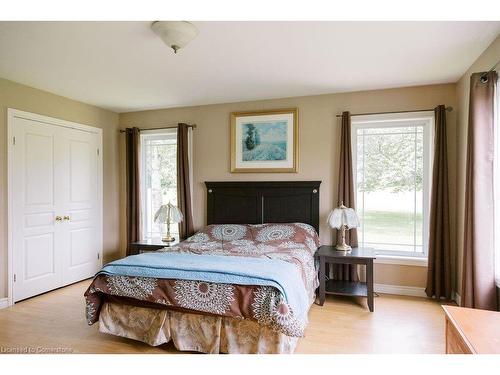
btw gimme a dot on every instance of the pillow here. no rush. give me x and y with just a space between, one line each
263 236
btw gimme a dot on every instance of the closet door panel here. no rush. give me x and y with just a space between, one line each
36 234
39 168
81 206
82 169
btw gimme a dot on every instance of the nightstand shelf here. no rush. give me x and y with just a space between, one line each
346 288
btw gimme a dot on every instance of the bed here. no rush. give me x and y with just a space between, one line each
243 284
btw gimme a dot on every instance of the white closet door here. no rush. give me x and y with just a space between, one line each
36 234
55 203
80 201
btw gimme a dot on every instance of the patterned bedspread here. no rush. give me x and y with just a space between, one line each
294 243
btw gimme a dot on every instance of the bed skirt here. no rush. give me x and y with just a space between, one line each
192 332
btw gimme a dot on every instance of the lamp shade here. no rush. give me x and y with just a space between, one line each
343 216
168 213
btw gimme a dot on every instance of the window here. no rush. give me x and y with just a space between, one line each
392 174
158 178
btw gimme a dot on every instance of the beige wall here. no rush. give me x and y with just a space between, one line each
319 132
484 62
14 95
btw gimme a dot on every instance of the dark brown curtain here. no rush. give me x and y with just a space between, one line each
478 277
346 272
186 227
439 267
132 141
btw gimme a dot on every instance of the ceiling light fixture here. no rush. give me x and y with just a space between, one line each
175 34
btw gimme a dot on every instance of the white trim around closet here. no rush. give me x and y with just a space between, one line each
4 302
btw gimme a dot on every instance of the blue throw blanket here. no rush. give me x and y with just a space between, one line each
217 269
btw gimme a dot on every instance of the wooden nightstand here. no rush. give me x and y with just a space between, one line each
358 255
152 244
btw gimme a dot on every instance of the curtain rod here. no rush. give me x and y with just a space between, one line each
162 127
449 109
494 66
483 76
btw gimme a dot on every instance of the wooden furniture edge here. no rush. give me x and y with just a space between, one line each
463 337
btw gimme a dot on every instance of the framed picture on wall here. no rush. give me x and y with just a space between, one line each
264 141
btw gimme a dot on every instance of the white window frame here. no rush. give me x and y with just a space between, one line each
152 134
496 184
398 120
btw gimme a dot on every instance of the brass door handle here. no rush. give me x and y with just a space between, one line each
58 218
66 218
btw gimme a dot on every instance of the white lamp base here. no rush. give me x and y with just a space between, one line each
343 247
168 239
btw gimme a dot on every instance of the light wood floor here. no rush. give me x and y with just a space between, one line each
343 325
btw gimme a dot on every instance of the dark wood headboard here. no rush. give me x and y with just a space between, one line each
249 202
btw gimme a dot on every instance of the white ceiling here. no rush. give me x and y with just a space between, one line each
124 66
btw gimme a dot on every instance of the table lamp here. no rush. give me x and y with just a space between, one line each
168 214
343 218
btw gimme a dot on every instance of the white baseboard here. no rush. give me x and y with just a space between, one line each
412 291
401 290
4 302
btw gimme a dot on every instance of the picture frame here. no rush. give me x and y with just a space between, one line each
264 141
